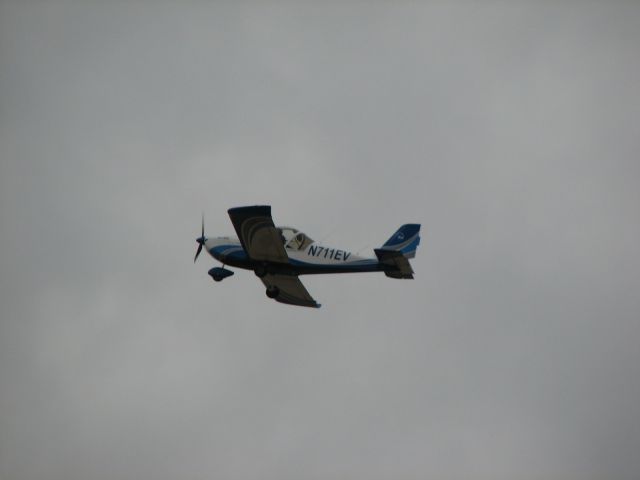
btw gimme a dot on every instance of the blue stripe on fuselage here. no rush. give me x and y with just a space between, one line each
234 252
358 266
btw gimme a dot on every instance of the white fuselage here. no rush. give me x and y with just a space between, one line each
313 258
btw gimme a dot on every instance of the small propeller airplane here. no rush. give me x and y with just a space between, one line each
278 255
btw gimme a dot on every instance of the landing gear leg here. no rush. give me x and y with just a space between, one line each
260 271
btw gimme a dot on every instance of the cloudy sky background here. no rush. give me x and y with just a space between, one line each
509 130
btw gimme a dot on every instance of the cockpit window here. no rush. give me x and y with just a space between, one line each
294 239
286 234
299 242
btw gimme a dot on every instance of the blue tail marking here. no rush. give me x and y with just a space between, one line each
405 240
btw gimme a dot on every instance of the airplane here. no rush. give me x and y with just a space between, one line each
279 255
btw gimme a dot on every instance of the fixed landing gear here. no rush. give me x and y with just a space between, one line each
272 291
260 271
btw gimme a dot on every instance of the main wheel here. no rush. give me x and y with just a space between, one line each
260 271
273 292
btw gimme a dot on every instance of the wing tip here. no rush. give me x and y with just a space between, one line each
254 209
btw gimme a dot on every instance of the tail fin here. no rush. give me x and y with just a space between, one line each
397 251
405 240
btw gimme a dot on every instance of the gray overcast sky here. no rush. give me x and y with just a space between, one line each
509 130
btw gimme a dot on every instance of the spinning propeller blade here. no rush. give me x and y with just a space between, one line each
200 241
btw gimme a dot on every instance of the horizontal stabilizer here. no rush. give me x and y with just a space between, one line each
396 264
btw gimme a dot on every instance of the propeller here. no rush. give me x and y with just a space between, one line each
200 241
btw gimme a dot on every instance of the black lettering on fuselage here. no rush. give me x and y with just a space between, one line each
331 254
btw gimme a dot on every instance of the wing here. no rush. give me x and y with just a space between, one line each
258 234
291 290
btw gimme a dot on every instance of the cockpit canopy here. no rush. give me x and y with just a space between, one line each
293 239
